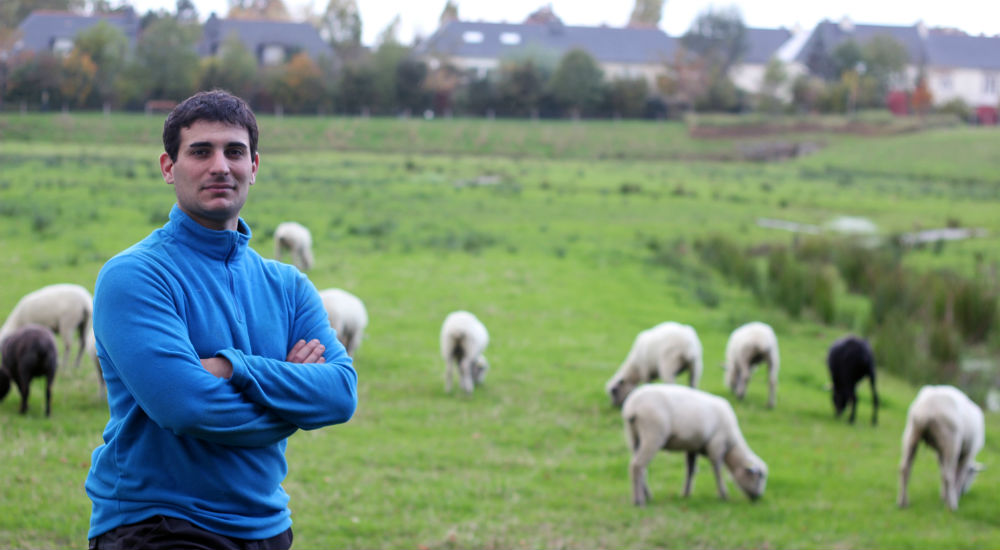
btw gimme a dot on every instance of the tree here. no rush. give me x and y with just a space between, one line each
719 36
107 47
356 88
577 82
775 77
646 13
520 87
12 12
76 79
298 85
233 68
340 26
166 64
386 61
885 60
448 14
258 9
411 94
187 12
33 78
847 56
390 34
627 97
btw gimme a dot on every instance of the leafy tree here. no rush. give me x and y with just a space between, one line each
646 13
819 61
33 78
108 49
775 77
520 87
340 26
627 97
885 60
577 83
719 36
386 61
448 14
390 34
921 100
187 11
847 56
233 68
411 94
258 9
76 79
12 12
166 64
479 97
298 85
356 88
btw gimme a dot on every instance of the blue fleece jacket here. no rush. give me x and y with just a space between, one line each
181 442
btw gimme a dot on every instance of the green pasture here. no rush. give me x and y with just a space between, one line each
552 233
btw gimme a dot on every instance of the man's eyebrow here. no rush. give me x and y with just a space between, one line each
210 144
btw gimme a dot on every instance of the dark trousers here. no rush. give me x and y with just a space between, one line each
165 533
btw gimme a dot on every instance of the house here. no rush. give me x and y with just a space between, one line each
964 67
479 47
763 45
55 31
271 42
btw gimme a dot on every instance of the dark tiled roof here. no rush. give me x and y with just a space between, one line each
257 33
42 28
832 34
949 50
604 44
763 44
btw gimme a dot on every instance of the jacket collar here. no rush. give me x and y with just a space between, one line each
221 245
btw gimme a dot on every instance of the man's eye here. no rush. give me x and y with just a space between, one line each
235 152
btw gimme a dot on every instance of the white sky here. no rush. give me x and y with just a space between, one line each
419 17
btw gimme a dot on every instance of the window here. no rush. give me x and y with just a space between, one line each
946 82
62 45
990 84
472 37
510 38
272 54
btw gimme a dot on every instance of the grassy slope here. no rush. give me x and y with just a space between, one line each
551 255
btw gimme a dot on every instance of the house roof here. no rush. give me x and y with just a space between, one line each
256 33
763 44
958 50
41 28
497 40
833 34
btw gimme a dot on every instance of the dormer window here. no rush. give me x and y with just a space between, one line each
510 38
472 37
272 54
62 45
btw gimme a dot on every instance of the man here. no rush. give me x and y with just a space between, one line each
213 356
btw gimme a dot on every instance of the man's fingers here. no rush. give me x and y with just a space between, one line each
307 352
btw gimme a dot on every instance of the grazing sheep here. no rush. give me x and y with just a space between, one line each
678 418
750 345
663 351
951 424
294 238
347 315
66 309
850 359
463 340
29 352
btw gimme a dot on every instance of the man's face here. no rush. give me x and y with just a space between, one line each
213 172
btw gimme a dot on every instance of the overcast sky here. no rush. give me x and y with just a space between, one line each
419 17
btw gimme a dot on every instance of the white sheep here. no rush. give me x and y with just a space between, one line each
663 351
463 341
950 423
64 308
748 346
677 418
293 237
347 315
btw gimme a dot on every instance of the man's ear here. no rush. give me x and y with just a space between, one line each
167 168
253 172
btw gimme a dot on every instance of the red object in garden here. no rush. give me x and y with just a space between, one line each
898 103
987 115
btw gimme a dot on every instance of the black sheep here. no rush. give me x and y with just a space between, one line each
850 359
29 352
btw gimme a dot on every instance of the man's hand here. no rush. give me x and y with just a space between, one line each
307 352
218 366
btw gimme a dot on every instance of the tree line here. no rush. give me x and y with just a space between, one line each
103 71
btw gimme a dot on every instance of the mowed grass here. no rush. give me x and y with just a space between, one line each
552 252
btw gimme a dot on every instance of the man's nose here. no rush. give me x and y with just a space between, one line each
220 165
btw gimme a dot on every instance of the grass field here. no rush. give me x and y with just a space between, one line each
544 230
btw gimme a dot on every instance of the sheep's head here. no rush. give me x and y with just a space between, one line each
752 478
618 389
970 475
479 368
839 401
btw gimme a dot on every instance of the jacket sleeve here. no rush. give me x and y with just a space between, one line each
144 339
309 395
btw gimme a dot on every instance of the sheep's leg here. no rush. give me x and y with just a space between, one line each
874 400
48 395
947 463
449 371
910 443
638 471
772 384
853 398
719 482
465 374
692 467
24 386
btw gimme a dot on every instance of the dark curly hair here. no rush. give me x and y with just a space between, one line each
213 106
